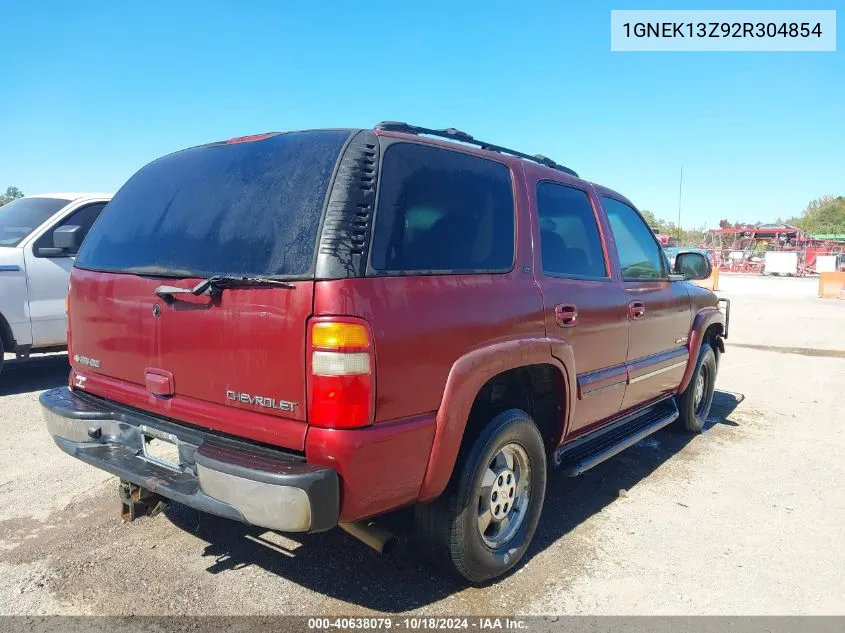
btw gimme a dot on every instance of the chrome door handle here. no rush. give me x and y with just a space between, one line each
566 315
636 310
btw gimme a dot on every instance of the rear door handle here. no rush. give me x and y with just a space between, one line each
566 315
636 310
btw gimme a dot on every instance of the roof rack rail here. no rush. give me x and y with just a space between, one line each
457 135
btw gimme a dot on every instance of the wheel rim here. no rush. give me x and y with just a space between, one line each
504 495
701 385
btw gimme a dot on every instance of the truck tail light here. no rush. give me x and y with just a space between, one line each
67 320
341 383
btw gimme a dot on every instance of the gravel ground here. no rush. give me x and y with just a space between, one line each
744 519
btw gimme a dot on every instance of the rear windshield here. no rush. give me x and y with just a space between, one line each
21 217
250 208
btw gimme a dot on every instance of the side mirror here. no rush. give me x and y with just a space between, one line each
693 266
68 238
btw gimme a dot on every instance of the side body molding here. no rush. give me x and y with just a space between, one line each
466 378
703 320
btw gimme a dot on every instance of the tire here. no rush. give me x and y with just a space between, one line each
695 409
507 454
2 352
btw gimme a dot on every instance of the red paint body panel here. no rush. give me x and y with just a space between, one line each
380 467
246 339
423 325
590 384
238 422
654 376
110 317
662 330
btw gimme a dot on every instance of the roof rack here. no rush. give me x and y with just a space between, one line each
456 135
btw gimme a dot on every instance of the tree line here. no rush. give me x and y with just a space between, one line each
824 215
12 193
690 236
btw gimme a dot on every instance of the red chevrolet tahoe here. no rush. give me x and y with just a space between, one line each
310 329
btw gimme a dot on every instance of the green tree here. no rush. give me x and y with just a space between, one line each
654 221
823 215
689 237
694 236
12 193
649 217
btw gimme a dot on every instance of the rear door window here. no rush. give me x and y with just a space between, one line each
570 243
245 208
442 211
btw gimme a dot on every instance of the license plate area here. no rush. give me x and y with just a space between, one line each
160 448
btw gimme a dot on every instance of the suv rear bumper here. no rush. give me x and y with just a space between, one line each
226 477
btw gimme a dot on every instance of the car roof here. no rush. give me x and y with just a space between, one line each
70 196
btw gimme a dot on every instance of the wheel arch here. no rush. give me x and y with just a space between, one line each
708 324
467 379
6 335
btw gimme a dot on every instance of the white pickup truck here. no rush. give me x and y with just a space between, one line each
39 238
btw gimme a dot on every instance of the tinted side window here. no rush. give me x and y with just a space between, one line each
640 256
442 211
84 218
570 243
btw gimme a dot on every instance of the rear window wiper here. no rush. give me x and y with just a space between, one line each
217 283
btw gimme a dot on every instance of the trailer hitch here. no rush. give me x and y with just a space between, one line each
136 501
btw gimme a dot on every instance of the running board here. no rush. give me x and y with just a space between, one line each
588 451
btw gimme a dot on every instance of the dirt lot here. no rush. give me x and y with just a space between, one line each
744 519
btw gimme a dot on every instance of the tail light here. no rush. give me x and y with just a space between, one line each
341 383
70 376
67 318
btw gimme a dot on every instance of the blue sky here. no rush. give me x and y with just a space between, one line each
93 91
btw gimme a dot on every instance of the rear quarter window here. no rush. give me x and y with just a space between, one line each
250 208
441 211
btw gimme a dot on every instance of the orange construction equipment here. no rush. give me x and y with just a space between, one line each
832 285
712 282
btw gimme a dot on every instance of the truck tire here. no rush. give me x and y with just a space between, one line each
482 524
2 352
695 402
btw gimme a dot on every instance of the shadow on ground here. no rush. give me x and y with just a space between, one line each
34 374
339 566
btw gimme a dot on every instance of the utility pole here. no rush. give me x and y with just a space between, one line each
680 189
